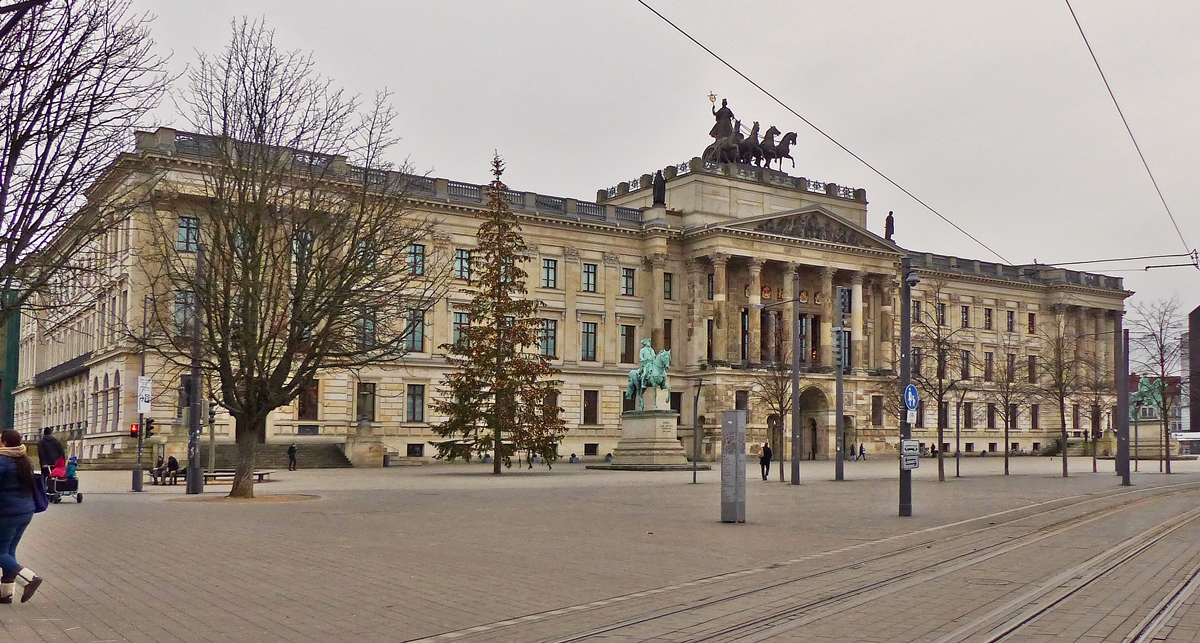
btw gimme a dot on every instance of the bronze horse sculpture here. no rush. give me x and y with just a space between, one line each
750 150
784 149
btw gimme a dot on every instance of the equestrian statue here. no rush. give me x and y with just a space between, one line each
650 376
730 146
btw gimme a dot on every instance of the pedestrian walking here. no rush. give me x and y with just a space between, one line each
765 461
51 455
292 457
853 452
18 489
862 451
172 470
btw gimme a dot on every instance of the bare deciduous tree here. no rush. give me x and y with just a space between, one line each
939 347
313 258
1157 334
75 78
1005 388
1058 369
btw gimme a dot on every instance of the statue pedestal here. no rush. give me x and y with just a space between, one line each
648 443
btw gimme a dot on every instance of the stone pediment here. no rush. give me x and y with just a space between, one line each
817 225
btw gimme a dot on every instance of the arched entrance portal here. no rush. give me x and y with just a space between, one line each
814 417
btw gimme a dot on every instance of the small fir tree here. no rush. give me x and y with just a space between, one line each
503 396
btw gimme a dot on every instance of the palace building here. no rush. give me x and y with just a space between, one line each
713 261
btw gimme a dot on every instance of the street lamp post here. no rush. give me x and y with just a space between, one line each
908 280
697 430
795 381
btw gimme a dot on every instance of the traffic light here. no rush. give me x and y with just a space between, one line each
843 304
133 431
149 428
212 412
838 349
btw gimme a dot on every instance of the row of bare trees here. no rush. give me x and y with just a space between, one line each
1055 364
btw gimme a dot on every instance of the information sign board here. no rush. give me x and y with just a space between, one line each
909 462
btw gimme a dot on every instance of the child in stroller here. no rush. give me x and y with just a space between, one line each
63 482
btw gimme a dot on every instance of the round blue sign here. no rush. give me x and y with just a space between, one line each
910 397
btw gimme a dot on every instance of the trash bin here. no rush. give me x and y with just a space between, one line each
387 460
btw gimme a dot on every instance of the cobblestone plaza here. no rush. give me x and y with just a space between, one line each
448 552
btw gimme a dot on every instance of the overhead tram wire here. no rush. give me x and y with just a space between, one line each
1127 127
822 132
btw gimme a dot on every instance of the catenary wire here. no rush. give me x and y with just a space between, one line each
822 132
1127 127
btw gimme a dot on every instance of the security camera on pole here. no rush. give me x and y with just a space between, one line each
840 361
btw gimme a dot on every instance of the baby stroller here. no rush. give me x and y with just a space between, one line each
63 483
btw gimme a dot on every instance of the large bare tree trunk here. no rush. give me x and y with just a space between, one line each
247 442
941 439
1167 440
1007 444
1062 414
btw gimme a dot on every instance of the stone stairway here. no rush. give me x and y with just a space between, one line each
274 456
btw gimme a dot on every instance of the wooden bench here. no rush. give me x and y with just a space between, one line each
229 475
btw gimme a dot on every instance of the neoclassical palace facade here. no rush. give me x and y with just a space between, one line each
707 272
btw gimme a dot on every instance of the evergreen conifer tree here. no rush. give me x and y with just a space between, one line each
503 396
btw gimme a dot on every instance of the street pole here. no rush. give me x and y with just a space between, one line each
957 438
1122 419
137 469
839 386
795 383
195 483
905 376
212 439
697 430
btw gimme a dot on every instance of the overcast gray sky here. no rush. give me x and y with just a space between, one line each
991 112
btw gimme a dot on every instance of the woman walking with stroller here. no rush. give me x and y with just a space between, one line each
17 489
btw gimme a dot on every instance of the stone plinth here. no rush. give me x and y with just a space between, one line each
364 449
648 443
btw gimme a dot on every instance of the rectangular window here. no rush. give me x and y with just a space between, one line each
1033 376
1033 416
591 448
416 259
944 416
1013 414
188 236
968 415
414 331
549 273
991 415
366 401
942 358
941 314
712 286
965 365
589 277
916 312
920 415
668 286
1075 416
966 317
1011 321
668 336
989 366
548 338
460 323
1010 374
1032 323
741 401
591 407
414 410
308 402
414 450
627 285
708 339
185 304
987 319
916 361
366 329
876 410
462 264
745 338
587 347
970 447
628 344
628 403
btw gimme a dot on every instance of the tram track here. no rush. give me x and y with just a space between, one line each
830 605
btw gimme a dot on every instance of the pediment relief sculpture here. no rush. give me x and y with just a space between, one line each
811 225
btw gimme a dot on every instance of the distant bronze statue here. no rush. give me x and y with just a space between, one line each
725 150
784 150
724 125
768 145
749 150
660 189
889 226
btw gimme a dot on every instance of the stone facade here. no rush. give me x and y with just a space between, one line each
711 276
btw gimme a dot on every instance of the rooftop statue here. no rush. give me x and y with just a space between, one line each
650 376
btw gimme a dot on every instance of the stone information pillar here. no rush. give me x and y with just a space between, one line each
733 466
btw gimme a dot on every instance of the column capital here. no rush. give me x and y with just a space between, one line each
856 277
827 272
793 267
612 259
657 260
756 265
719 258
693 266
571 254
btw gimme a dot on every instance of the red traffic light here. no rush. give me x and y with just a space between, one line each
133 430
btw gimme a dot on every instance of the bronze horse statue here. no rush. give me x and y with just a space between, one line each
768 145
725 150
784 149
750 150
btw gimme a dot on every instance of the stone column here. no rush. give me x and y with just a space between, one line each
789 313
756 266
827 315
610 344
720 313
569 334
654 300
887 323
856 321
696 325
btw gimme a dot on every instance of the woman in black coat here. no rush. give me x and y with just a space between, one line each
16 511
